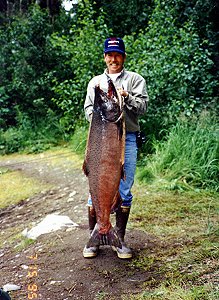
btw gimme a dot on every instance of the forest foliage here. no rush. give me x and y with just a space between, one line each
48 56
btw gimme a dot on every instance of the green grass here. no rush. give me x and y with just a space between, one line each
32 135
79 140
175 292
182 252
188 157
14 187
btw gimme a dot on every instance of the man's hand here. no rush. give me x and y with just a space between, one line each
122 92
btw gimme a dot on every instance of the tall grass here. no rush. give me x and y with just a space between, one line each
32 135
78 140
189 155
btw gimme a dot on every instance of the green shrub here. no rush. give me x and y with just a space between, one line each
176 64
29 64
84 47
79 140
188 155
32 135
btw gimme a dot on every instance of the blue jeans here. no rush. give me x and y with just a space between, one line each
129 168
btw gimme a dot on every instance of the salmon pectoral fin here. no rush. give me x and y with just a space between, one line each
85 168
110 238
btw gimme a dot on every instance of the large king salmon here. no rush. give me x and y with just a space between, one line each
104 160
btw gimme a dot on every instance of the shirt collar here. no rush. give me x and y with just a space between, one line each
122 72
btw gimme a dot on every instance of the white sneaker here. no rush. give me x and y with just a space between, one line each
124 252
90 252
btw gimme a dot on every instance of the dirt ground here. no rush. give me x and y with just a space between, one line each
53 267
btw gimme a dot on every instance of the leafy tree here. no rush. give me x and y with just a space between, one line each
124 17
29 65
11 7
205 15
84 48
5 109
176 64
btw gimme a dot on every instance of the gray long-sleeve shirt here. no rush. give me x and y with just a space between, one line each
135 104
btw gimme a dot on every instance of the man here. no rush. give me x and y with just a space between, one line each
132 87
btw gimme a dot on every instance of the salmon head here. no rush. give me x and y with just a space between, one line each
108 105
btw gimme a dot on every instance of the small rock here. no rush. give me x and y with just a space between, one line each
24 267
70 200
72 194
11 287
49 224
24 232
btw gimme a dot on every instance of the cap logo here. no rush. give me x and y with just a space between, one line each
113 42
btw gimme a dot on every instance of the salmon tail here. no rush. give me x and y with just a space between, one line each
110 238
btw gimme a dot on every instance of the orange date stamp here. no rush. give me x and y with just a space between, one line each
32 275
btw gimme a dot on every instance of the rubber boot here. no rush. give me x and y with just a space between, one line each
122 215
4 295
90 252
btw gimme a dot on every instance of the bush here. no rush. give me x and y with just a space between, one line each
32 135
189 155
78 140
29 65
84 47
176 64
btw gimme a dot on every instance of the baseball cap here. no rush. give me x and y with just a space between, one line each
114 44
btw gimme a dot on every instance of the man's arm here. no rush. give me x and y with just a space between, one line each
89 101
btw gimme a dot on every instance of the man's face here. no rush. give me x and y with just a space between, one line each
114 62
